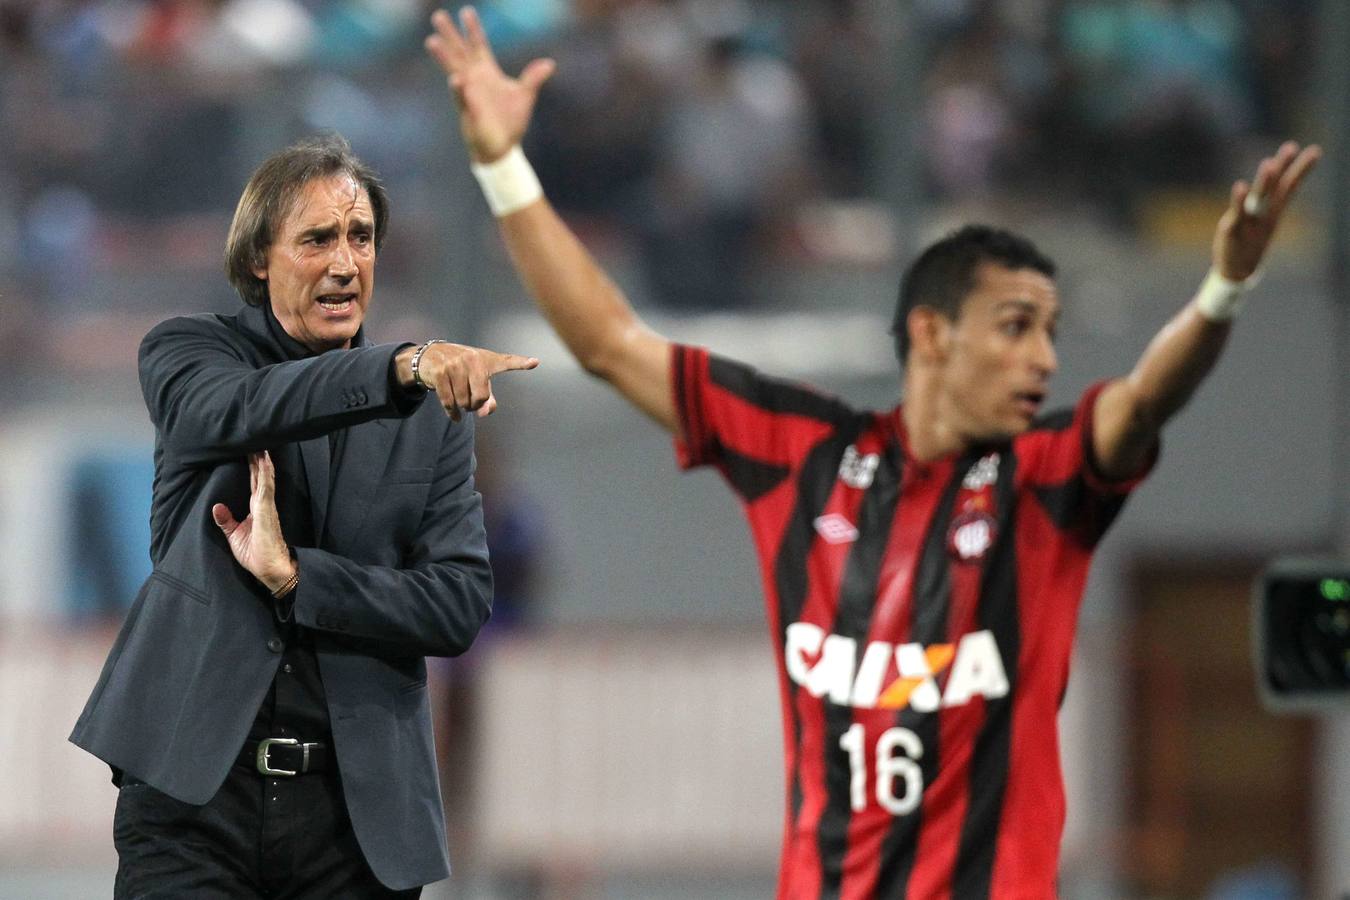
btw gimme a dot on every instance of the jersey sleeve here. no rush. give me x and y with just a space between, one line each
1059 469
755 429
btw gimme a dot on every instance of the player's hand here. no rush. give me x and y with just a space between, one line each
461 376
1254 210
256 542
494 108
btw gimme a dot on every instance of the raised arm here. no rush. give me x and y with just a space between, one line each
585 308
1131 411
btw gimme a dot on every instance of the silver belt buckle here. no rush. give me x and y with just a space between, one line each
264 747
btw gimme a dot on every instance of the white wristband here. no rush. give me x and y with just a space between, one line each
1220 299
509 184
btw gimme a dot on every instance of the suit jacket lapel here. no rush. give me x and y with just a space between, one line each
359 474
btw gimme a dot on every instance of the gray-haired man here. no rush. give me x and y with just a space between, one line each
264 708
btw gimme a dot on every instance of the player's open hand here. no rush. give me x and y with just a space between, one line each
256 542
1254 210
494 109
462 376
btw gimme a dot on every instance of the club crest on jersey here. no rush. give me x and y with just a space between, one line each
857 469
827 665
975 526
971 535
835 529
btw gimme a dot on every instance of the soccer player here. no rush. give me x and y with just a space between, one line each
922 566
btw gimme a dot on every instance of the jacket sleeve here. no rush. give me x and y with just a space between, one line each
435 604
210 403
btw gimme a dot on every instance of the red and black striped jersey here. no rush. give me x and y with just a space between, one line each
923 616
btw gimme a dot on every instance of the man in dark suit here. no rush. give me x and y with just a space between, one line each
264 708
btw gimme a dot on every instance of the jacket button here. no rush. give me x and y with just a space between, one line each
361 396
275 645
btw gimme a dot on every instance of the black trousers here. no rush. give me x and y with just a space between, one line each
284 838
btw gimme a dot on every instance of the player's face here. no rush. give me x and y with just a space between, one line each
1000 353
321 265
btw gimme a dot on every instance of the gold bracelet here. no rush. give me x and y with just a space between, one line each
289 586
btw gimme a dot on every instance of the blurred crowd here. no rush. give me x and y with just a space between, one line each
697 131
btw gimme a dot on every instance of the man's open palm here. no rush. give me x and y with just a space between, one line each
494 108
256 542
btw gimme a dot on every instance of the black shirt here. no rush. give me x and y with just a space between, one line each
295 706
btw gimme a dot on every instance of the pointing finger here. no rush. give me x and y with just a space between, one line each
509 362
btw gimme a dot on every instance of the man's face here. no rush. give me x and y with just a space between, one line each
321 265
999 354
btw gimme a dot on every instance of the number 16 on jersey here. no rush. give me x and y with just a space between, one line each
899 779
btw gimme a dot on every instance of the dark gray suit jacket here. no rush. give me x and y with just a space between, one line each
400 572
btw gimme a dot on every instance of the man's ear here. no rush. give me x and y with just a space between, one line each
929 333
259 268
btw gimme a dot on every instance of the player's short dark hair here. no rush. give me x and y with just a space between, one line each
268 197
944 274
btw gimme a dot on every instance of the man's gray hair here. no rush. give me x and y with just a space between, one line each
271 191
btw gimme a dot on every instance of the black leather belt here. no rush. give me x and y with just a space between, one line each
284 757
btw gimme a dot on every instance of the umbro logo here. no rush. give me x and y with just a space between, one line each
836 529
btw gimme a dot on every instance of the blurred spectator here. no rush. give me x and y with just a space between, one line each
516 529
836 56
599 116
968 115
683 123
1282 46
1156 88
733 158
690 129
